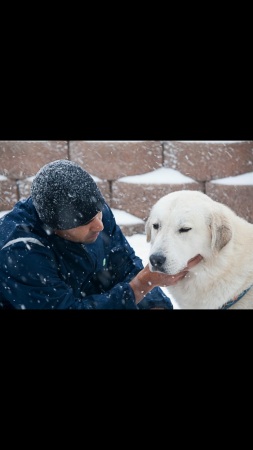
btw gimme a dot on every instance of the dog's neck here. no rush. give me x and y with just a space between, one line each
228 304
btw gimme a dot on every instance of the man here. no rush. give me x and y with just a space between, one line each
62 249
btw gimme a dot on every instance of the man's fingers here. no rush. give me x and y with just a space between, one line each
194 261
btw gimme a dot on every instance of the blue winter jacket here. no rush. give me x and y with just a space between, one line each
40 270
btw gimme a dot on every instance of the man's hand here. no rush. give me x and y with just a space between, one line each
145 280
161 278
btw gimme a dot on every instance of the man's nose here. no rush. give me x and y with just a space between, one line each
97 224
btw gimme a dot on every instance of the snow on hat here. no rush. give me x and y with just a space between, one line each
65 196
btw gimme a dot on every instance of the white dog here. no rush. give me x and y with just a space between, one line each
184 224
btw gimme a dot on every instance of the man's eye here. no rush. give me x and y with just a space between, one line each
155 226
184 230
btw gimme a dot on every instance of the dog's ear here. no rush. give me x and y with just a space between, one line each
148 230
221 231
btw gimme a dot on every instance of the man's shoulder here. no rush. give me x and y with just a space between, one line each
21 223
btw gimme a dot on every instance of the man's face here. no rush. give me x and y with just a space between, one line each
85 234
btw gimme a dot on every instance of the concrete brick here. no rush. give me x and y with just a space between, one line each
129 230
237 197
209 161
104 187
24 188
22 159
138 199
111 160
8 193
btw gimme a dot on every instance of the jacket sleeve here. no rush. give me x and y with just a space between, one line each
29 279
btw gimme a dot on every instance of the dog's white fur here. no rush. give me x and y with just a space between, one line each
185 223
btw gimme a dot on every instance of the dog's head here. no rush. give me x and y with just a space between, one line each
183 224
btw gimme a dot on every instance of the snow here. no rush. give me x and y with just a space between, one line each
244 179
213 142
159 176
2 213
124 218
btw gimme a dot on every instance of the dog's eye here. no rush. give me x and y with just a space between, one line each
184 230
155 226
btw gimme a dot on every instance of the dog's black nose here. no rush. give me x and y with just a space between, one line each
157 259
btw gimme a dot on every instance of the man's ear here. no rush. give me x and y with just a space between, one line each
221 231
148 230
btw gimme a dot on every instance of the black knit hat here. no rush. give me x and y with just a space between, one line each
65 195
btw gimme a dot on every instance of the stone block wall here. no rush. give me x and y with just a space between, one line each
110 162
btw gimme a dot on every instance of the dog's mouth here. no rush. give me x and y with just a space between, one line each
157 263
